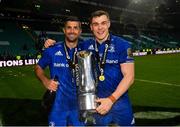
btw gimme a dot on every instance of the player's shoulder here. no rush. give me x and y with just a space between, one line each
58 44
80 42
120 42
89 41
54 48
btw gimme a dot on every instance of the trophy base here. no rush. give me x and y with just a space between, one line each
87 102
87 118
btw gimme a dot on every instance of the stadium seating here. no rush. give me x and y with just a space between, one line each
19 39
15 40
148 41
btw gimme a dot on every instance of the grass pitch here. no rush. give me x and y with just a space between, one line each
155 94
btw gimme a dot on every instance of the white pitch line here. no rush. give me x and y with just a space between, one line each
155 82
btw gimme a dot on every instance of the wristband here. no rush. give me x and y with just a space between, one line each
112 98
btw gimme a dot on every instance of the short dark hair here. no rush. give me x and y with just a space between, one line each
72 18
98 14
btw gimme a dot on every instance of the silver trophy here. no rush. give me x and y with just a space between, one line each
86 80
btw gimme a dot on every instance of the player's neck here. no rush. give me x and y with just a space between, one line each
71 44
100 41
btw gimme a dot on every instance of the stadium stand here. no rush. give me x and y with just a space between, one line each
152 42
15 40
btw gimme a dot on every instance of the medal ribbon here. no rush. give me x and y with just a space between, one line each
102 61
71 62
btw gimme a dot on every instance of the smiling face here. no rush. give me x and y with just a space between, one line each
72 31
100 27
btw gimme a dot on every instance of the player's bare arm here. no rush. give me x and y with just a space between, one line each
48 83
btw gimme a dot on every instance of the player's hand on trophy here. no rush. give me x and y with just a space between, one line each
51 85
105 105
49 42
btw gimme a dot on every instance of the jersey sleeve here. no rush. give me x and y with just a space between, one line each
44 61
125 54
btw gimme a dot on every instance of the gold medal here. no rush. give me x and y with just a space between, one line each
101 78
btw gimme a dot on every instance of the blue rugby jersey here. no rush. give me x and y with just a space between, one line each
55 58
118 53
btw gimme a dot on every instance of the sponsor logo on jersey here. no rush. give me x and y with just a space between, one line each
58 53
111 48
91 47
111 61
61 65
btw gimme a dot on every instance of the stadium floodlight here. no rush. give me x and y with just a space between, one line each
136 1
